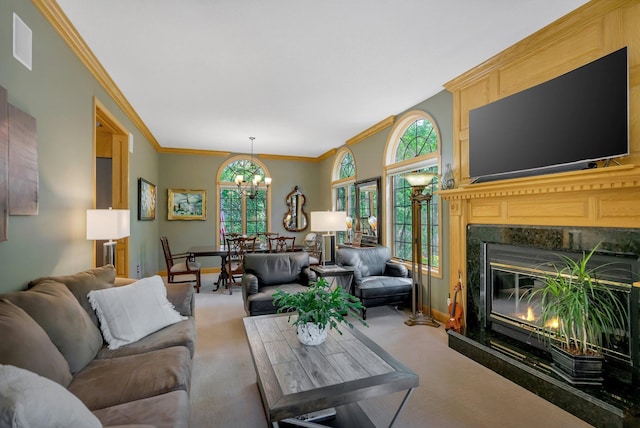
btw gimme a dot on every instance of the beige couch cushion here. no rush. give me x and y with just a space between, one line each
182 333
82 282
131 312
26 345
170 410
29 400
69 327
109 382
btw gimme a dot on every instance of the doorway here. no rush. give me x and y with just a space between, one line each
111 177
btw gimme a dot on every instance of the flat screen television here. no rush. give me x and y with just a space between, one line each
566 123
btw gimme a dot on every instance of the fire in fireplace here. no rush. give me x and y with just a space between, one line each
512 308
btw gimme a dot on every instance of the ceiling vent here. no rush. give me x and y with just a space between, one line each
22 41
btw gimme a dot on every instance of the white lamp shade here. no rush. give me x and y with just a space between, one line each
419 178
328 221
108 224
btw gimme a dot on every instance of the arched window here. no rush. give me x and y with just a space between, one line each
413 146
342 183
239 212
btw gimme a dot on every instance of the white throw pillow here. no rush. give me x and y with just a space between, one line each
30 400
131 312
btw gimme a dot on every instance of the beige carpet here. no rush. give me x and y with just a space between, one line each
454 391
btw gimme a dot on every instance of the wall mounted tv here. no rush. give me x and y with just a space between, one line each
566 123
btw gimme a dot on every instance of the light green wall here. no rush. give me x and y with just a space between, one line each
368 156
59 93
200 172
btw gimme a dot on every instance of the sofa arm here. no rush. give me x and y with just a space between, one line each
182 298
307 276
396 269
249 284
123 281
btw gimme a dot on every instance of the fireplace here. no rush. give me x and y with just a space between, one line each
504 265
513 273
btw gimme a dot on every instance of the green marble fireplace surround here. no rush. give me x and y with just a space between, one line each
617 402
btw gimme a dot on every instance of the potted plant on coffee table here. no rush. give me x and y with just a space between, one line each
319 308
587 313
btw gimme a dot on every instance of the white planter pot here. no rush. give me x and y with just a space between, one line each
312 334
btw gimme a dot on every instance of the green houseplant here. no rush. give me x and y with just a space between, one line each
586 313
319 308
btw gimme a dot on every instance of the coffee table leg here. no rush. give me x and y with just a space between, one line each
404 401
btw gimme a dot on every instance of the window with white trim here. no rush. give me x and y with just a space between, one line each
414 146
343 179
238 212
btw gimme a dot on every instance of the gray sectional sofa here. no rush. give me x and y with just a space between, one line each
52 331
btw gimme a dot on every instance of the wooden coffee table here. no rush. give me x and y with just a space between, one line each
295 379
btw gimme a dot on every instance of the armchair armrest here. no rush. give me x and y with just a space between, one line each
396 269
307 276
181 296
249 284
185 256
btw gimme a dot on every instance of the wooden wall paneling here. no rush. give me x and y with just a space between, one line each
4 164
23 163
602 197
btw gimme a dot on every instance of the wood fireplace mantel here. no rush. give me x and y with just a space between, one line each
612 177
603 197
600 197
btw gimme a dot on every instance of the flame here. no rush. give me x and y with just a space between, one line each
553 323
530 315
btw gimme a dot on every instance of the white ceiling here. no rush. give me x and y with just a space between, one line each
301 76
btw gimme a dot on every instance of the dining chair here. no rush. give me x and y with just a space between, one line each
180 265
313 246
264 237
228 235
282 244
236 249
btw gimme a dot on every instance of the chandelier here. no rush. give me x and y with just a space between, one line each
250 188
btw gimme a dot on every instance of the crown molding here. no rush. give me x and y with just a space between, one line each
59 21
383 124
289 158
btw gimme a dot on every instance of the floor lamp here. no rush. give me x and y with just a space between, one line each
108 224
418 182
328 222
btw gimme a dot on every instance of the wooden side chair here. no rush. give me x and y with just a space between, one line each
236 249
264 237
230 236
282 244
180 265
313 246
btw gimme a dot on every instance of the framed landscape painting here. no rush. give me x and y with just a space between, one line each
146 200
187 204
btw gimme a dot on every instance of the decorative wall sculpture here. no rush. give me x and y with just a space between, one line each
19 182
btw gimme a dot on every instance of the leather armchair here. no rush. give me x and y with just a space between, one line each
264 273
377 280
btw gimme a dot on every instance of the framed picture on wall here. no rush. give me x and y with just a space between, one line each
187 204
146 200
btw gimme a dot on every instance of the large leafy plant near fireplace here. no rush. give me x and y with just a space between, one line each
580 312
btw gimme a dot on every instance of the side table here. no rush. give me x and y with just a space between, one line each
340 275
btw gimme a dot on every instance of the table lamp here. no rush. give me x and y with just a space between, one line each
328 222
110 225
